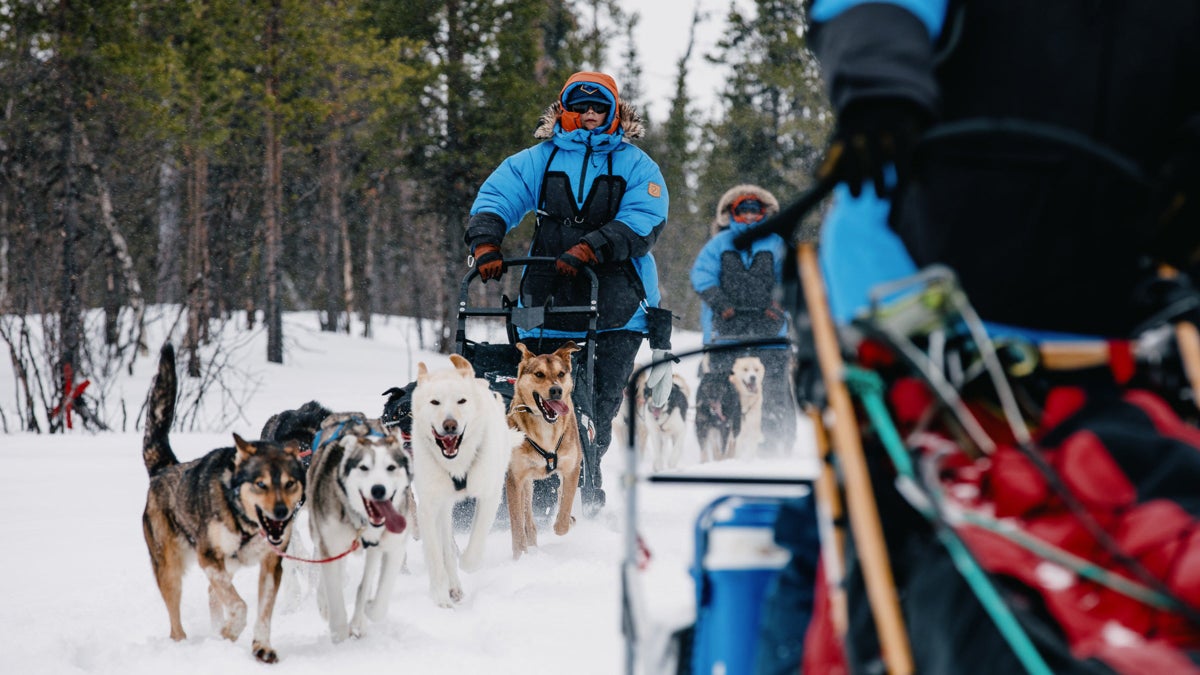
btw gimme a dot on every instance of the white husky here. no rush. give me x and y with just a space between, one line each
461 445
358 490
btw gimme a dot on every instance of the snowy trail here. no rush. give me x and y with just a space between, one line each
79 595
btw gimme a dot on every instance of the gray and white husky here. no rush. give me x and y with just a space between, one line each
358 494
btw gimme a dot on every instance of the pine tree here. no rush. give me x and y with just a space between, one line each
776 119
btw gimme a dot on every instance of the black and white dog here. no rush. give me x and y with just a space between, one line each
662 430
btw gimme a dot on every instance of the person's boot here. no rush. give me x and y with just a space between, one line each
590 481
545 498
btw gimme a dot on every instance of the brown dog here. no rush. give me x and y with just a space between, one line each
229 508
542 409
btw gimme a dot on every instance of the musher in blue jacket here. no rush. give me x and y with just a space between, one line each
738 289
600 202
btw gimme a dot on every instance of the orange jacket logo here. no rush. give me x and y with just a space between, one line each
655 190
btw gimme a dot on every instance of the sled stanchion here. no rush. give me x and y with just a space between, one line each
1187 338
727 480
829 519
863 510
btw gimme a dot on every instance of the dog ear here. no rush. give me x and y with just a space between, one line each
422 372
462 365
525 353
292 447
564 352
245 448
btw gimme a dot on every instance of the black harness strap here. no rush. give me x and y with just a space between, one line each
460 484
550 457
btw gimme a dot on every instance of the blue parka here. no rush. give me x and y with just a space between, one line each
587 186
743 279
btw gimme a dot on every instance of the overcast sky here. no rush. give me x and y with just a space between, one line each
662 38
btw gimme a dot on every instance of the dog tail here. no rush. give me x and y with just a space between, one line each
160 413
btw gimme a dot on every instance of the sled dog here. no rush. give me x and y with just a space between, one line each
299 425
542 410
663 429
397 412
747 379
718 417
358 491
234 506
461 448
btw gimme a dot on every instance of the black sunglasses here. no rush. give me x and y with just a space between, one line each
748 206
580 108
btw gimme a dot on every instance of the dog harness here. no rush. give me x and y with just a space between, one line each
318 441
550 457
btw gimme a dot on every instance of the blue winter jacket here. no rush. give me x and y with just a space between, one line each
707 271
515 188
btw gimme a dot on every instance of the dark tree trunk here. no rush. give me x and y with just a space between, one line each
374 195
198 297
273 193
70 320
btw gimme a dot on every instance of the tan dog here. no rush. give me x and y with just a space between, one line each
542 409
232 507
747 379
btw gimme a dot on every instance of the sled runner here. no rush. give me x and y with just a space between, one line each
497 363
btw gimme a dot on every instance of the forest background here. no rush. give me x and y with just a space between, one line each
241 158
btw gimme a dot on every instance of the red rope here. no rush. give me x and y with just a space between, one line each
282 554
643 554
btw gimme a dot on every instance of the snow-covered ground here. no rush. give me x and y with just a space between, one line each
77 594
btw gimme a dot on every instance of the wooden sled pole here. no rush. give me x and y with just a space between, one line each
829 501
1187 338
860 498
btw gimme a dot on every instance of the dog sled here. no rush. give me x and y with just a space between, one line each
983 507
497 362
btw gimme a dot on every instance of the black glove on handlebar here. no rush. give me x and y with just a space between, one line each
870 135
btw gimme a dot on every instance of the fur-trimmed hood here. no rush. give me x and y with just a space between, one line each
630 121
770 204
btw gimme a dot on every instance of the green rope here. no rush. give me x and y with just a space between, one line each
1077 565
868 386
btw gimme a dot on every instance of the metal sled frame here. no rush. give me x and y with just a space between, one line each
500 355
630 481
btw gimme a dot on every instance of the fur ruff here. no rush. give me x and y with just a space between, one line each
630 121
721 220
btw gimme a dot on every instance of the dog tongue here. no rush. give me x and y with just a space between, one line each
392 520
558 406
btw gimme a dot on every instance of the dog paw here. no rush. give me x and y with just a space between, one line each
339 633
563 525
358 628
264 653
448 597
